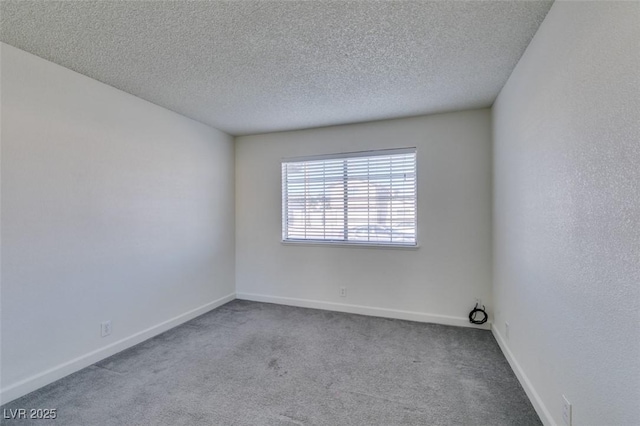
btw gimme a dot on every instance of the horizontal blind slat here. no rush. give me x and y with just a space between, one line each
369 199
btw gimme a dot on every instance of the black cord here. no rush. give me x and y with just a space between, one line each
474 311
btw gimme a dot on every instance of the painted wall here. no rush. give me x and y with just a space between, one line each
112 209
567 214
437 282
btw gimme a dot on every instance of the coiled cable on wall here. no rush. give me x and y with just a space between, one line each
474 312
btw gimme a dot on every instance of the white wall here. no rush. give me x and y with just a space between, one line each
437 282
112 208
567 213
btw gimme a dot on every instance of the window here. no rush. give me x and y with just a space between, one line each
357 198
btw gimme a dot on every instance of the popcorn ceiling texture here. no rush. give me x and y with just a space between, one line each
252 67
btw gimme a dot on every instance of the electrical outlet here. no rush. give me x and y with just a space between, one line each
506 330
105 328
566 411
343 292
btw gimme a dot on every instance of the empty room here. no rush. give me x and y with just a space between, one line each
320 212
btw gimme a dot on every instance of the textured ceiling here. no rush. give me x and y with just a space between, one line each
259 66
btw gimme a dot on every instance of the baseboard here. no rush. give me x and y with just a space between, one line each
363 310
39 380
536 401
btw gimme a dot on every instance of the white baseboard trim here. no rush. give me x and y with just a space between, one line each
39 380
536 401
363 310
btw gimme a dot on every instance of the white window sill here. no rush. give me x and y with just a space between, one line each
350 245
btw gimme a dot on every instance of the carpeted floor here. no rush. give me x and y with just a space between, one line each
249 363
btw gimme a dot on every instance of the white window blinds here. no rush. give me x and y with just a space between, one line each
358 198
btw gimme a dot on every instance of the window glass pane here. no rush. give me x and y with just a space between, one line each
367 199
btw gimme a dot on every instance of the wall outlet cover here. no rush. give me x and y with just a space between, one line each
566 411
105 328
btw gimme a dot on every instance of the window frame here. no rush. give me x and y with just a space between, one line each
343 243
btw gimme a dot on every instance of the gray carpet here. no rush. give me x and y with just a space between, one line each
249 363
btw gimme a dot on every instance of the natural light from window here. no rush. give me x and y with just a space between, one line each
365 198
